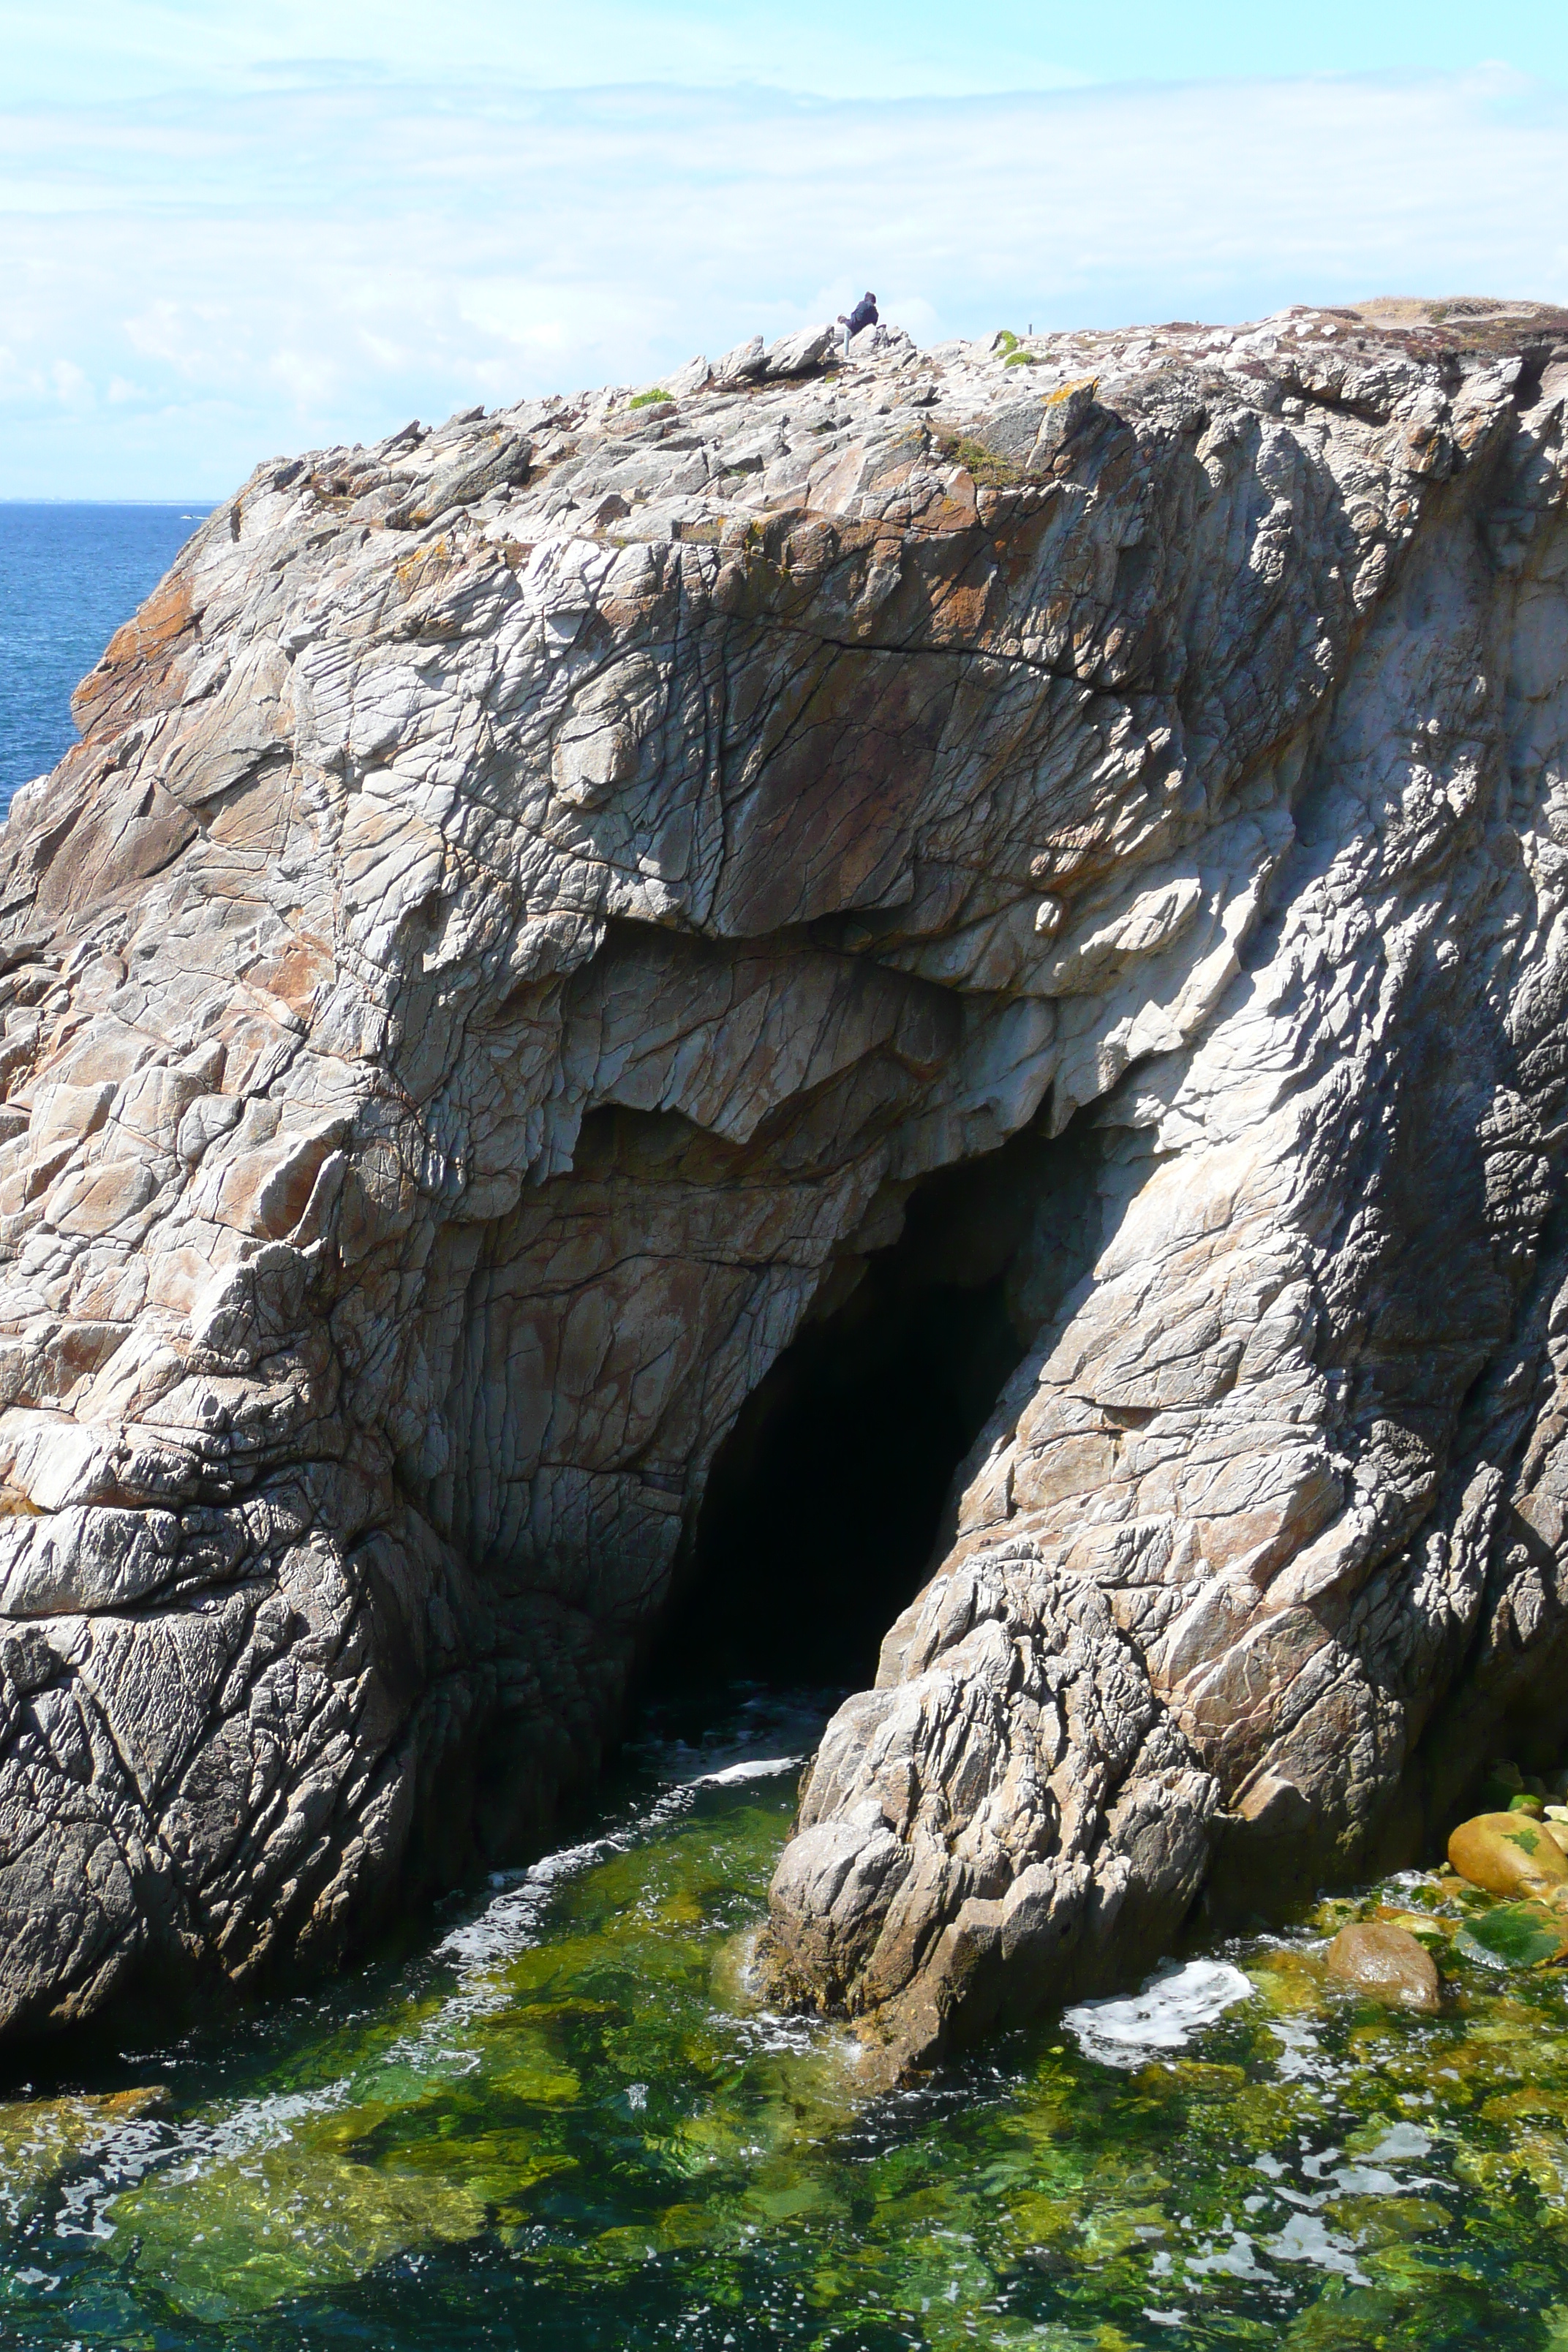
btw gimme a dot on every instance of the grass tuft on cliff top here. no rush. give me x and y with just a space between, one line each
987 470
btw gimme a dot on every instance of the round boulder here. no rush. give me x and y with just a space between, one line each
1508 1853
1386 1963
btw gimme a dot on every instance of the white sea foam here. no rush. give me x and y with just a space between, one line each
512 1919
676 1799
1172 2007
756 1768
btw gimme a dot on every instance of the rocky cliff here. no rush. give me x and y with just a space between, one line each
534 903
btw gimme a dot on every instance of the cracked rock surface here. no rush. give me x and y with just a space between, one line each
533 898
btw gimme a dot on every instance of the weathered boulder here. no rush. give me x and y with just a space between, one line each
533 901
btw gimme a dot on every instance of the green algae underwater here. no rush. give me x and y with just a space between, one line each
567 2123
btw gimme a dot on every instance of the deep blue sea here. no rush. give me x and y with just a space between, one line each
69 576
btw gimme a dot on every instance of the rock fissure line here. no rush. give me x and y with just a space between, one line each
1005 660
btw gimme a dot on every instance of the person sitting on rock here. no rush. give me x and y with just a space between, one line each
864 314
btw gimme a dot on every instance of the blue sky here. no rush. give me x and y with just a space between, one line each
227 231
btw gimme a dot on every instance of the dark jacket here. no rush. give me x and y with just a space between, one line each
864 314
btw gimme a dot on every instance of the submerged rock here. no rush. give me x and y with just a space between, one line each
1527 1935
41 2139
534 903
1386 1962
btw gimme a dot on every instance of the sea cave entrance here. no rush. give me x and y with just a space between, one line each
827 1498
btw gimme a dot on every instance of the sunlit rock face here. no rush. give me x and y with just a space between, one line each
534 900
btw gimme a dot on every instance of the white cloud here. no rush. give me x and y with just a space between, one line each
187 287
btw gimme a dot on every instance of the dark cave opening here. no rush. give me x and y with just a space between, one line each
828 1496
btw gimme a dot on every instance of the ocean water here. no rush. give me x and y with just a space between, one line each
69 576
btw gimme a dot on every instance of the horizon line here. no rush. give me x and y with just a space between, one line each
58 500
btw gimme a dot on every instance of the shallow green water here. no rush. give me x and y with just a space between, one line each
565 2123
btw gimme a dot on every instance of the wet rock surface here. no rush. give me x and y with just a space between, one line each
531 902
1385 1962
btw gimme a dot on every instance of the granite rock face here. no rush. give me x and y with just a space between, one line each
533 900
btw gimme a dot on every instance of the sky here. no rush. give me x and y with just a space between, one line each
233 231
